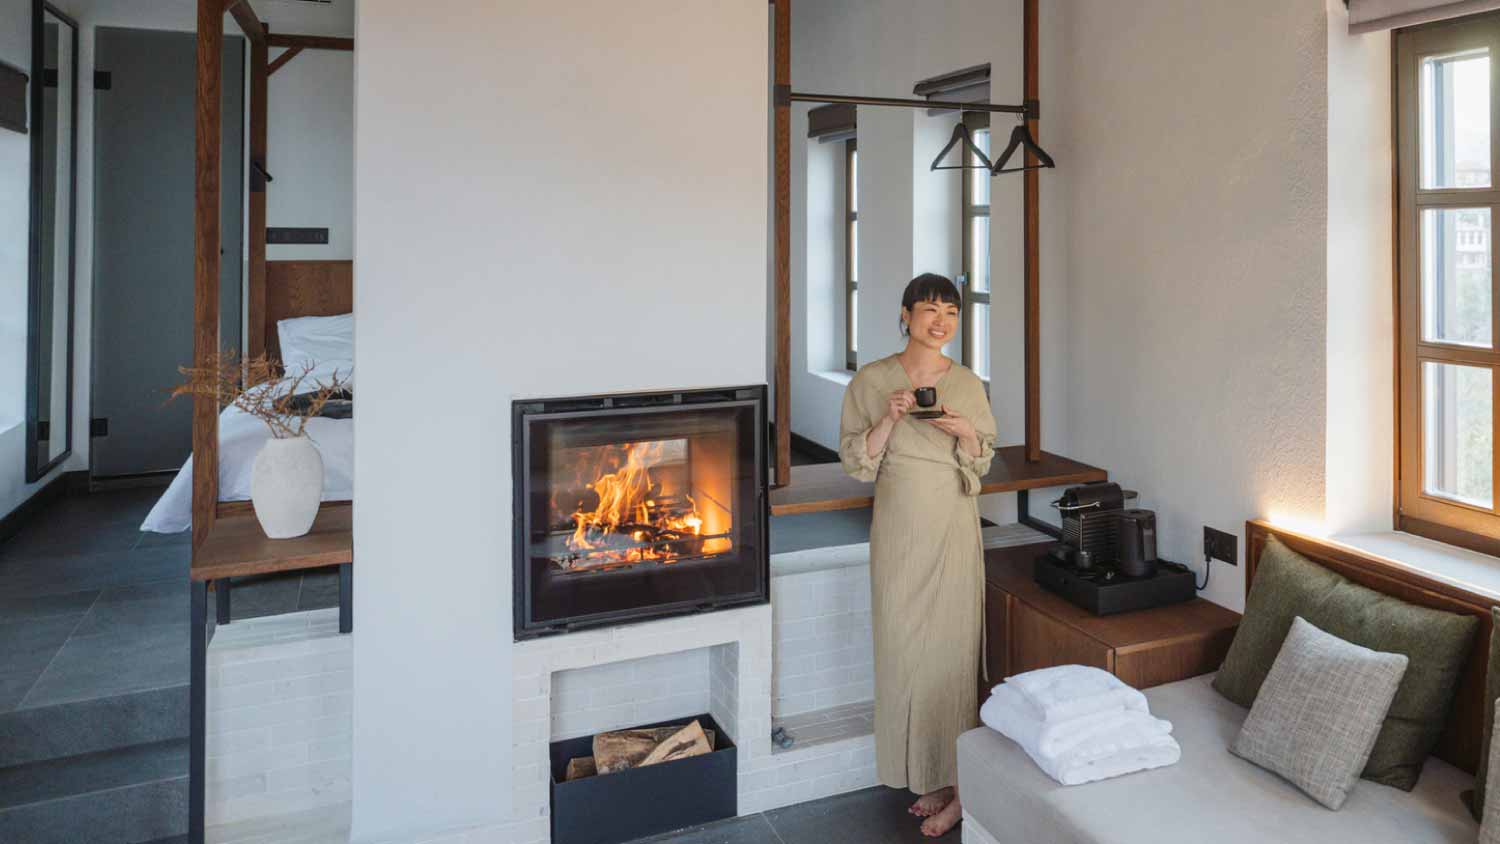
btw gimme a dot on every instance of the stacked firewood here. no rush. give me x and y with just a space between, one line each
623 749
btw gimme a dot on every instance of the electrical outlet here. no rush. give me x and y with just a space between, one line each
1221 546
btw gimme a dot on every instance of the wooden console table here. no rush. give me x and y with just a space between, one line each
1029 627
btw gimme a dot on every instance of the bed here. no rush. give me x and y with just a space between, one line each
316 299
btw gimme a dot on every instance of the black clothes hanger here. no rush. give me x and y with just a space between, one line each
1021 136
962 132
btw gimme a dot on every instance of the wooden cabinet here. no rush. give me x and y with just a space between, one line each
1027 627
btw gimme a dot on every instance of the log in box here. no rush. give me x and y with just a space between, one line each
639 802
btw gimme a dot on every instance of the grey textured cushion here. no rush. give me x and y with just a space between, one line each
1489 830
1436 643
1478 798
1210 796
1319 711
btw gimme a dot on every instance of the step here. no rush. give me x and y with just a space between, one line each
121 796
92 726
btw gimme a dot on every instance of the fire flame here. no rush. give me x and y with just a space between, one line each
628 507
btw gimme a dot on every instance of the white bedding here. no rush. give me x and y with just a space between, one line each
240 438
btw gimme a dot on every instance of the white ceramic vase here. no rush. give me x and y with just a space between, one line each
286 486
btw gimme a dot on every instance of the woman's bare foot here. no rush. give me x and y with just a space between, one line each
931 803
940 824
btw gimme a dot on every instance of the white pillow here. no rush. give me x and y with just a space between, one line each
310 341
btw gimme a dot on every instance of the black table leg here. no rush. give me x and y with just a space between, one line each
346 598
198 710
221 600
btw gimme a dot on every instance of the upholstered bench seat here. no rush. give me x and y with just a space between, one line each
1210 796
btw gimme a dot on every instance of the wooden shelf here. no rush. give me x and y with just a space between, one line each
1009 569
825 486
236 546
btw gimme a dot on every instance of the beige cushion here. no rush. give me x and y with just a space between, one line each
1210 796
1318 712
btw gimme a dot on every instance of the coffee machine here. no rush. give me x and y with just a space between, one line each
1107 560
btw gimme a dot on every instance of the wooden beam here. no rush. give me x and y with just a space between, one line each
782 289
311 42
1031 237
282 59
255 287
245 17
208 110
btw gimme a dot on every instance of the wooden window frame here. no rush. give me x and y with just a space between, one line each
851 269
968 211
1417 510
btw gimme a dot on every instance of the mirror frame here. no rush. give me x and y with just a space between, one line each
36 467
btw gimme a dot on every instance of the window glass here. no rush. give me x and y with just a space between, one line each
1456 276
1457 452
1455 120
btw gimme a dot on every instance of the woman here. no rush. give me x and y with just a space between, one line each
926 555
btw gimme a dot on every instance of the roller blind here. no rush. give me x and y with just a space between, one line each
969 85
831 123
1376 15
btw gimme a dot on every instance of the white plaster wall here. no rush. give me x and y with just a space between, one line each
1196 222
310 152
1361 325
476 282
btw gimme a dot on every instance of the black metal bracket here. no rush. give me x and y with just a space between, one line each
1033 109
781 95
259 178
1023 513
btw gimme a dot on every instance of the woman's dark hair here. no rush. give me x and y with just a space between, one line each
929 287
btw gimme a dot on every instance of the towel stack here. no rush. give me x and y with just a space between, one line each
1080 724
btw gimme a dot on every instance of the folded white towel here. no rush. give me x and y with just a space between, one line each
1065 692
1083 750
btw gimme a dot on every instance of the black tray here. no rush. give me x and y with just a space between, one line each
640 802
1172 584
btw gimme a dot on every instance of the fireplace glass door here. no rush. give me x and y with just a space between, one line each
634 509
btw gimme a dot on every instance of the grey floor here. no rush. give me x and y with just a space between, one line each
92 607
873 816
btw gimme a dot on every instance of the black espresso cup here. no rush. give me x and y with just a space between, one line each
926 396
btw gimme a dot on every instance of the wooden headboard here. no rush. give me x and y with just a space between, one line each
299 288
1461 739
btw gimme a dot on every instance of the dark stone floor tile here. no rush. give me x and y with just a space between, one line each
149 539
117 617
126 659
15 608
55 778
69 537
872 816
272 594
170 587
79 572
320 589
26 648
750 829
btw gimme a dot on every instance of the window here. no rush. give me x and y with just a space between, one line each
851 255
1447 357
975 220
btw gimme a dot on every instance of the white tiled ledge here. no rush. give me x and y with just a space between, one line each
1460 567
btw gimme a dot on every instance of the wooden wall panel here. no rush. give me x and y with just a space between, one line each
304 288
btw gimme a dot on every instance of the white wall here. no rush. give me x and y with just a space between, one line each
310 152
1196 225
477 282
1361 325
881 49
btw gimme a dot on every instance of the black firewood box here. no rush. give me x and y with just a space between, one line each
640 802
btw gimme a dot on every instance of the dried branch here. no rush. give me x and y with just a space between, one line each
257 387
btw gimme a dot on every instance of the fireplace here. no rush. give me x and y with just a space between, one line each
638 506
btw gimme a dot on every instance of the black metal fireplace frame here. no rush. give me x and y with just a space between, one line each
754 396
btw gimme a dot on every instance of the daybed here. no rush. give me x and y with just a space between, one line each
1212 795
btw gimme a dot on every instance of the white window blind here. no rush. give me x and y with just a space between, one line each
1376 15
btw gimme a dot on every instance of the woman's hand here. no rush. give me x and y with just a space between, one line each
898 404
955 425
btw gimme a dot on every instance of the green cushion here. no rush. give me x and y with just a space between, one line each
1491 694
1436 643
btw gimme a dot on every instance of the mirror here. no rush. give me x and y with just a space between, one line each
49 365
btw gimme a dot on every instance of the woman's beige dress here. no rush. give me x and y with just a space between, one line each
926 572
